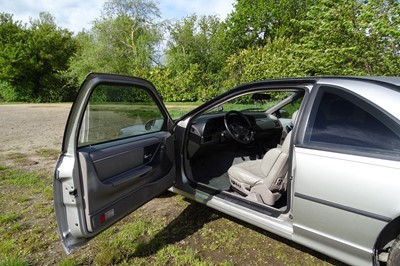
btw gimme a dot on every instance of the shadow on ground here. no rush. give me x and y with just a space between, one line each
194 217
188 222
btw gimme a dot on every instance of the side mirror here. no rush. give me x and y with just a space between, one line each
283 114
149 124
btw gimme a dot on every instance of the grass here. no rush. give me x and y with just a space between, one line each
48 153
19 158
24 215
13 261
168 231
19 178
7 218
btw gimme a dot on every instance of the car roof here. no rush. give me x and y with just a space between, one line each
391 81
376 79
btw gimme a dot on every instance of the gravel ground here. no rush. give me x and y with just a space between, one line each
29 128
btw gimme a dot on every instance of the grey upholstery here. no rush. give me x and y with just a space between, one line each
294 116
265 179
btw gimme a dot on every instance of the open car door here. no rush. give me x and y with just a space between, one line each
117 154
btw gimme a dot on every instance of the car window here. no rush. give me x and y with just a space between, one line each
288 110
115 112
342 119
256 102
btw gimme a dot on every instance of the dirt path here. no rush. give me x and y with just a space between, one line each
30 128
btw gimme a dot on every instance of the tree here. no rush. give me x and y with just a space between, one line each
50 49
12 35
331 38
196 52
196 40
33 58
139 10
351 38
122 41
279 58
13 52
254 23
380 20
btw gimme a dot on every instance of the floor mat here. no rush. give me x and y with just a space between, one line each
221 182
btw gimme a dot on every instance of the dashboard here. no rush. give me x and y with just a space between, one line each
208 132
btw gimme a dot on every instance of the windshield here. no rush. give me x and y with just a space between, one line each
258 102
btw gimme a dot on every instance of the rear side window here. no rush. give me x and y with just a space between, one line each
116 112
342 120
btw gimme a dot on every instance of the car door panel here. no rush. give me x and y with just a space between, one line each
111 162
112 177
331 205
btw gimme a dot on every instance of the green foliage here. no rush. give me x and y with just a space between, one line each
119 94
176 88
335 38
277 59
196 41
122 41
336 53
353 46
381 19
7 217
14 177
14 59
12 48
202 56
7 92
254 23
13 261
32 59
195 55
192 85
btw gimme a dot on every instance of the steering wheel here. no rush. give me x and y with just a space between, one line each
239 127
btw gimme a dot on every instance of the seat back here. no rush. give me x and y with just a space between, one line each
274 165
294 116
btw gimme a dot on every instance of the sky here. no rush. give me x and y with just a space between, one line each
76 15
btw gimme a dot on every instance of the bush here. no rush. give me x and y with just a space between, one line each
279 58
7 92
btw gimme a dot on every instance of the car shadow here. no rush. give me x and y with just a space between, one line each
194 217
287 242
189 221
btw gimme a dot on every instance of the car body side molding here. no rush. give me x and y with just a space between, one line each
344 208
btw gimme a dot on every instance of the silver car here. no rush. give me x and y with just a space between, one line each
315 160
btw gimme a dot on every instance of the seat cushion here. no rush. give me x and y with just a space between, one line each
247 172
